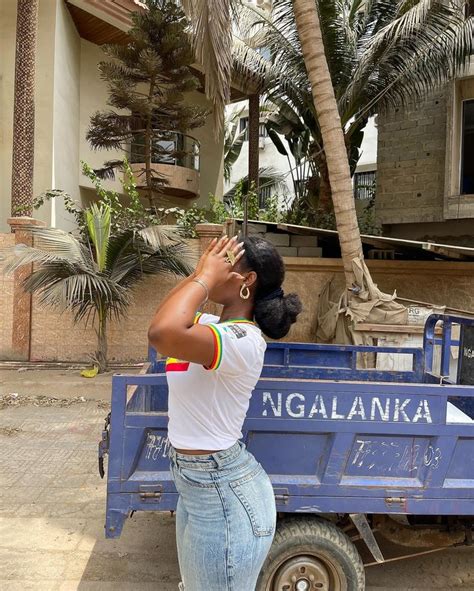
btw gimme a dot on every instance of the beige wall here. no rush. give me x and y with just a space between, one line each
443 283
212 156
66 114
93 97
7 78
55 337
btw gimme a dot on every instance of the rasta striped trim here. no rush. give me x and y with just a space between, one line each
216 361
197 317
238 321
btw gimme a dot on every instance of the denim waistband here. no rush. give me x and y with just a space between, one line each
218 459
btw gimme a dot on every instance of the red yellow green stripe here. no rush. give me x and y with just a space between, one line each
197 317
238 321
173 364
216 361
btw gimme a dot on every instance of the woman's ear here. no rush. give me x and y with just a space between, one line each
251 278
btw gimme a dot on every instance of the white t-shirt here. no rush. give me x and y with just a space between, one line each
207 407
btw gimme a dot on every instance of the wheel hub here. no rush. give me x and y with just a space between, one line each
303 573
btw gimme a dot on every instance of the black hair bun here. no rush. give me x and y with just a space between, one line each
276 316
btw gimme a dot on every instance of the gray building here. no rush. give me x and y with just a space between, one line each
425 167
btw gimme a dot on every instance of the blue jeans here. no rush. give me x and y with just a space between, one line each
225 519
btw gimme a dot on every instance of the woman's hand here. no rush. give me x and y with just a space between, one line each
200 265
215 267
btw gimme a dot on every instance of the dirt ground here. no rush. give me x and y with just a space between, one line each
52 504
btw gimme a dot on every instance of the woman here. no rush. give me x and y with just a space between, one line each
226 515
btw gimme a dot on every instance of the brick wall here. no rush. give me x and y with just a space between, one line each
411 162
6 304
56 338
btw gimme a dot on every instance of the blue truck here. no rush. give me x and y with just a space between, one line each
356 456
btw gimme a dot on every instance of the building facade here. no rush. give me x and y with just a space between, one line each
68 90
269 157
425 186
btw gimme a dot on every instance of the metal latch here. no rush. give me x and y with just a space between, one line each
396 500
282 496
151 492
104 445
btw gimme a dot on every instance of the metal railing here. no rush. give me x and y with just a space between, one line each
167 147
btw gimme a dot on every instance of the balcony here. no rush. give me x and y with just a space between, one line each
175 157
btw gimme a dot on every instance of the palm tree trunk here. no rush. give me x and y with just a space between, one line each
254 137
101 355
309 31
24 108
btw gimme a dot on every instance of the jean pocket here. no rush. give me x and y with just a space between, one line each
197 478
255 492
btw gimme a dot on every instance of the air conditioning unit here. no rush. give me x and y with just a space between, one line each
261 143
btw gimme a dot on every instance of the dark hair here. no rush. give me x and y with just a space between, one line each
274 311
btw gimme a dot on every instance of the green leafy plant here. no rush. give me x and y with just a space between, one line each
94 275
128 213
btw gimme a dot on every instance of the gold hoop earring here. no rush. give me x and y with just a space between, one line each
244 292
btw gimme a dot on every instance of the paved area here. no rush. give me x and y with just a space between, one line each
52 504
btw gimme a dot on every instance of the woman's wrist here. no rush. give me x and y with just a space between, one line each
208 279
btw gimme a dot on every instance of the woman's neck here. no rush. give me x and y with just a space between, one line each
238 310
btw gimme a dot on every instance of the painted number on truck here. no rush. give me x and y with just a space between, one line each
395 456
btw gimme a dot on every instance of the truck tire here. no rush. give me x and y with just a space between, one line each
310 554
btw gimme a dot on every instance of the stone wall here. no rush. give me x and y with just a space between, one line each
432 282
55 337
411 163
6 304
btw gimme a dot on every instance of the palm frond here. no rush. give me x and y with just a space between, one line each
98 220
51 245
268 177
422 46
212 41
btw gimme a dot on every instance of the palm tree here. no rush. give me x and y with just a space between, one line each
376 56
212 40
94 277
24 108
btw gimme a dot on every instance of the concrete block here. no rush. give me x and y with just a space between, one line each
310 251
303 240
257 228
278 239
288 251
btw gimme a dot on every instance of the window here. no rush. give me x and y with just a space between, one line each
364 185
264 194
467 150
244 125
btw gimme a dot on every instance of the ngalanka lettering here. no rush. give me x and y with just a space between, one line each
319 406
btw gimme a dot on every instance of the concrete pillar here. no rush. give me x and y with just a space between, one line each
22 311
206 232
